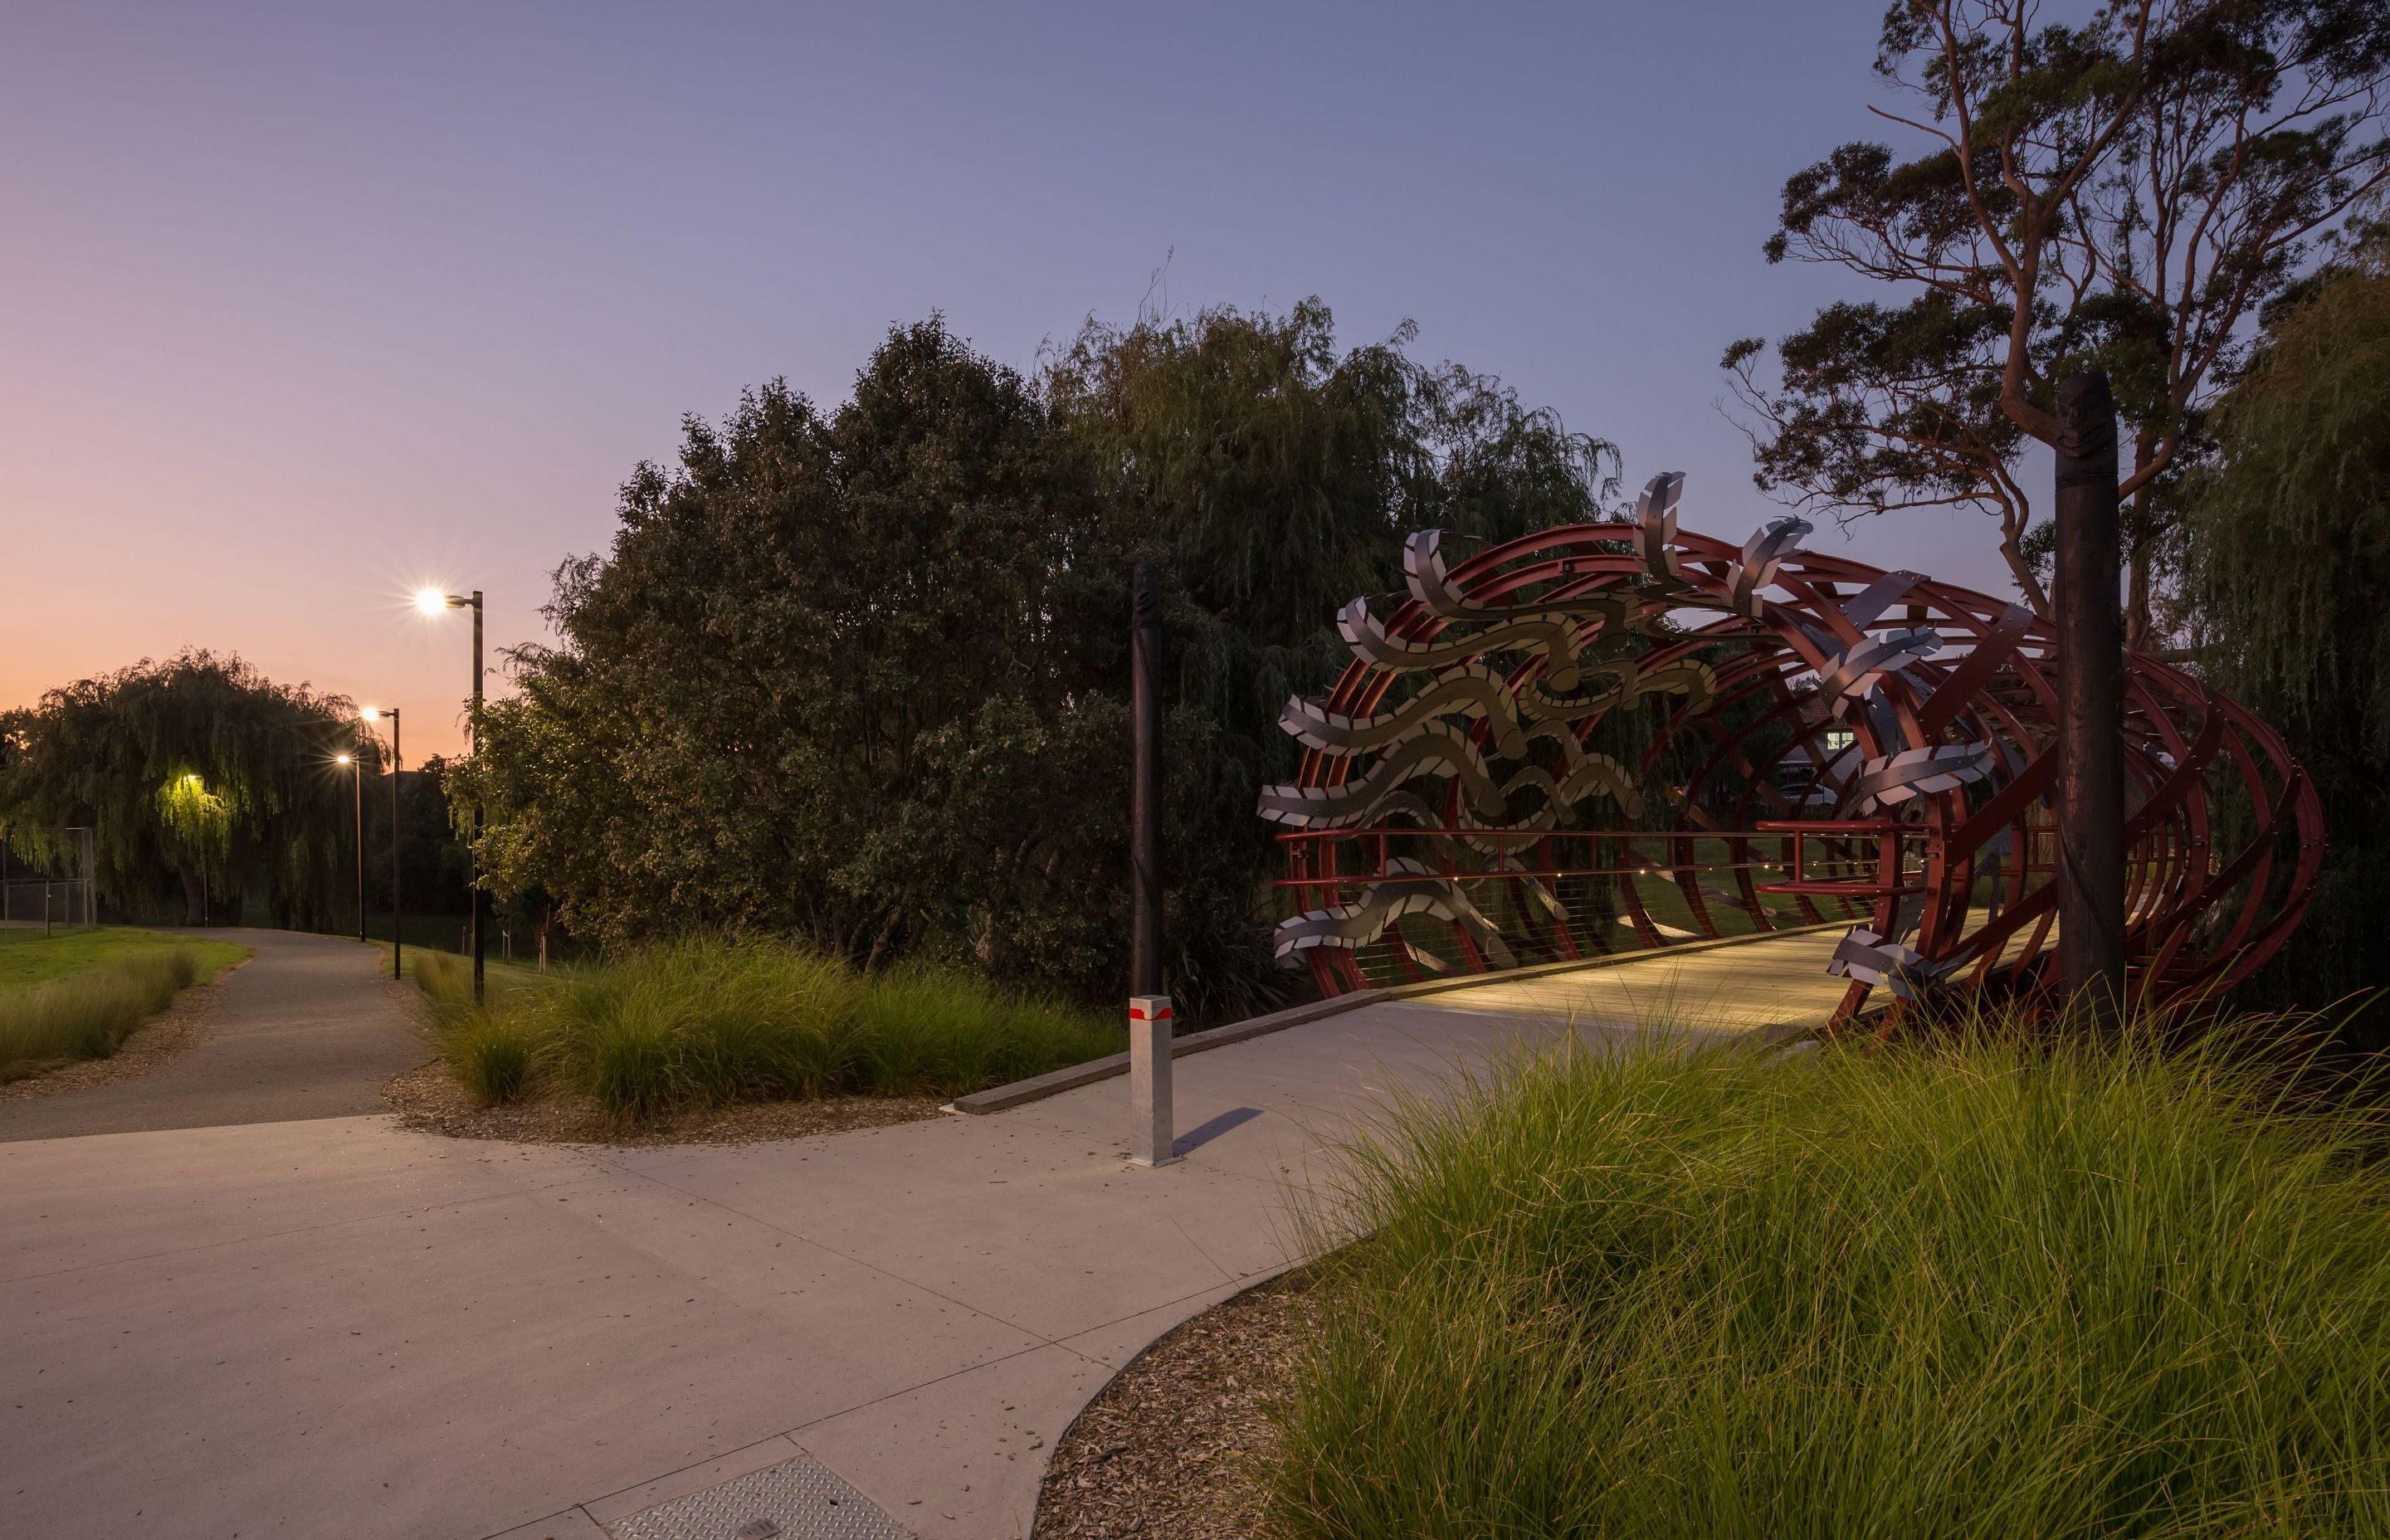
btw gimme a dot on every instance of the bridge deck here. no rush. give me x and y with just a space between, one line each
1749 984
1745 984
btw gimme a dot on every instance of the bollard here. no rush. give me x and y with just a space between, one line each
1148 1081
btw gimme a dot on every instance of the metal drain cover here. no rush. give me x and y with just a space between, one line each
797 1499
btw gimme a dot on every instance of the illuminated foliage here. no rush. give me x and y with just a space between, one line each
199 776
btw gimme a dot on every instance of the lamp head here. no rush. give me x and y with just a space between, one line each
431 601
339 759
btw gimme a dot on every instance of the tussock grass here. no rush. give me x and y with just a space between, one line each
1980 1286
701 1022
88 1014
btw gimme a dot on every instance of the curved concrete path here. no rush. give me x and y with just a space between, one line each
337 1327
308 1028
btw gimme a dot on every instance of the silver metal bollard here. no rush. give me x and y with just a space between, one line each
1149 1080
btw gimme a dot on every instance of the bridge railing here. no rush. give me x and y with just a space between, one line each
1476 899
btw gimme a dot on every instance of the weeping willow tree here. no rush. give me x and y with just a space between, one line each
205 783
2289 570
1272 478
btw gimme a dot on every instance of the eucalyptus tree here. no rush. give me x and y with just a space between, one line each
199 778
2125 192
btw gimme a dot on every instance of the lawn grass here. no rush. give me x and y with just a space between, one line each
80 995
501 978
28 958
1983 1287
702 1022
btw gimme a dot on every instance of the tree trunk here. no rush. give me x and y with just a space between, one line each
2137 594
2140 548
194 908
2027 580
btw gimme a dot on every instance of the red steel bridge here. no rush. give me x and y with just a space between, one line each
1610 736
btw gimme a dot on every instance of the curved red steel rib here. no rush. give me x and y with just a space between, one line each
1910 799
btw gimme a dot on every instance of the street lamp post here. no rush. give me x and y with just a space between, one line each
356 769
397 937
431 601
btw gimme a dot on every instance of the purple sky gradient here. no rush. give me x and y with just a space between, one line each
301 307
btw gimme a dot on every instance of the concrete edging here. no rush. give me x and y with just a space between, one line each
996 1098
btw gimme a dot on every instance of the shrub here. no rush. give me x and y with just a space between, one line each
492 1058
712 1020
447 979
632 1067
1974 1288
88 1015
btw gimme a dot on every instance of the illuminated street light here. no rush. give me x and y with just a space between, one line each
431 601
357 795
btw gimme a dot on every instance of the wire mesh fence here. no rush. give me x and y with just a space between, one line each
52 895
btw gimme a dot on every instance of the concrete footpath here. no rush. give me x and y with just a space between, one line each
309 1028
333 1328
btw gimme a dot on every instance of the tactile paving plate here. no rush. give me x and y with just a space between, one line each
800 1495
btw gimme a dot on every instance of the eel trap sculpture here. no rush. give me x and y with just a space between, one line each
1613 736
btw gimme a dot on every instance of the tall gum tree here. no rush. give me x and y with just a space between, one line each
2122 191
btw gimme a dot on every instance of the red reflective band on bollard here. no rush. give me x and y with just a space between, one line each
1150 1139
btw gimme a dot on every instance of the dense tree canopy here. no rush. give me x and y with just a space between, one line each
2290 548
861 674
2122 191
199 776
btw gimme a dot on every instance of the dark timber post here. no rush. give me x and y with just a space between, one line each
1145 787
481 933
397 928
357 788
2091 702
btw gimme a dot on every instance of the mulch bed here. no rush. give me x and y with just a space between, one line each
429 1100
1179 1445
157 1043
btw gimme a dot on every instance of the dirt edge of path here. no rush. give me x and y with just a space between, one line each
1179 1445
151 1046
429 1100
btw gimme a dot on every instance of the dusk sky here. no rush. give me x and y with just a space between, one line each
303 307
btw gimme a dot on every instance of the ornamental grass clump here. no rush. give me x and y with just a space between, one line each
713 1021
88 1014
1983 1286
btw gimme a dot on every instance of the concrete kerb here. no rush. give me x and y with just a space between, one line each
996 1098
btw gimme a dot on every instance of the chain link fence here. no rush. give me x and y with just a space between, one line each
59 895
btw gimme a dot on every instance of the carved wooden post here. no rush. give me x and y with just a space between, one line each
2091 702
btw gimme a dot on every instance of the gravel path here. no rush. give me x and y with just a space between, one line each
309 1028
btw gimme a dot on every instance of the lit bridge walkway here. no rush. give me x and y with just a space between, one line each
1739 984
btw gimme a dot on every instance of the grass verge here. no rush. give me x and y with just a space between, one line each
93 997
28 958
1981 1287
708 1022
